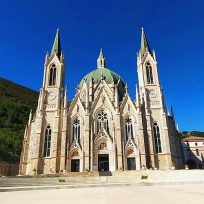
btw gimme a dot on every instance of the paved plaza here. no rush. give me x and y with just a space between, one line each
167 194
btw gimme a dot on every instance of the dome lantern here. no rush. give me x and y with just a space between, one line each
101 61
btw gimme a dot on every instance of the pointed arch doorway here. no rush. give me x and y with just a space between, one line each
104 156
103 147
103 162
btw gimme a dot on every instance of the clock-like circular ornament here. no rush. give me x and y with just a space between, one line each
152 93
51 96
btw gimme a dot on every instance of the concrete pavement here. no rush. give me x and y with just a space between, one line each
167 194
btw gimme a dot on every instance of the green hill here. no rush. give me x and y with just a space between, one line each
16 101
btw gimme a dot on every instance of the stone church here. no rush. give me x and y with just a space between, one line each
101 128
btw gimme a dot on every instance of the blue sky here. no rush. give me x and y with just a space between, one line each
175 29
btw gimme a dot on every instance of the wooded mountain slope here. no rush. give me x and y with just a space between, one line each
16 101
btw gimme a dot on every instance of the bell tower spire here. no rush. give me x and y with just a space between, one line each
101 61
147 64
56 48
144 43
154 104
54 69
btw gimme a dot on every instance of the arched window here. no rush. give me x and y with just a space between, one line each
52 79
76 130
128 128
102 122
157 139
47 142
149 73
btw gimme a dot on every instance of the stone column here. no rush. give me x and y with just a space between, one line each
118 142
86 142
141 141
63 143
150 139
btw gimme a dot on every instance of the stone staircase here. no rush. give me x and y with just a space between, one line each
101 178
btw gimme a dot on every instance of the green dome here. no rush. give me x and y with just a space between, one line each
108 75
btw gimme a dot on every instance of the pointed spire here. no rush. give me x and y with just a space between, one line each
172 112
25 132
137 96
154 54
116 99
41 100
126 88
101 61
101 56
30 117
56 48
177 127
144 43
91 89
46 58
65 98
87 98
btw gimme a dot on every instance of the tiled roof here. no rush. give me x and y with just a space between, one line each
192 139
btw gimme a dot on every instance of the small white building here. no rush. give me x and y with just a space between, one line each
193 149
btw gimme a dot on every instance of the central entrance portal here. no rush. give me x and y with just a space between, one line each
75 165
103 162
131 164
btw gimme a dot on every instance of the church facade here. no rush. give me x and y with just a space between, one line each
102 128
